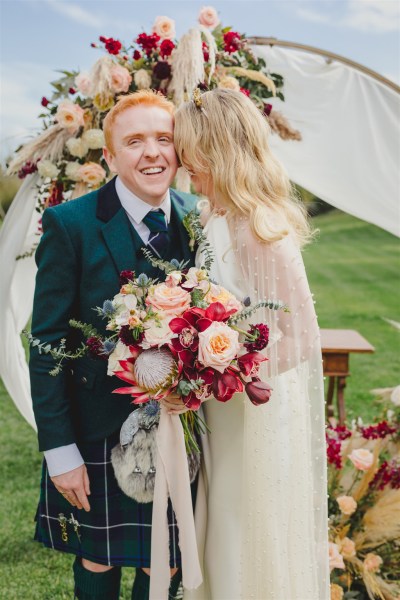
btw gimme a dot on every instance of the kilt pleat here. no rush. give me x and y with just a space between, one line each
117 529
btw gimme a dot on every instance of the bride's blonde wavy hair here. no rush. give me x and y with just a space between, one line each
226 136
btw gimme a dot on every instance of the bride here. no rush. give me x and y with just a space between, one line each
261 511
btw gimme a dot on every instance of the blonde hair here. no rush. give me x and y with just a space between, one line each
141 98
227 137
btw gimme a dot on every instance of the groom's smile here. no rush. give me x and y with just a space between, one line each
143 152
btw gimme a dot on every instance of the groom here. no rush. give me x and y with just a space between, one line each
86 243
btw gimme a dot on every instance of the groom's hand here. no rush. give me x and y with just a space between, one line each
74 486
174 404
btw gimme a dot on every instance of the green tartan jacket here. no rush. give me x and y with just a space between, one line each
86 243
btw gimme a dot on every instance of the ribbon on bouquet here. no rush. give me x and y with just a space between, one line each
172 475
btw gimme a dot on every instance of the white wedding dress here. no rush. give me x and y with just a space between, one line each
261 515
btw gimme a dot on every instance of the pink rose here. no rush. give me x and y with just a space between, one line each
157 333
362 459
164 27
69 115
335 558
219 294
173 301
347 548
372 562
83 83
218 346
120 79
347 504
208 17
92 174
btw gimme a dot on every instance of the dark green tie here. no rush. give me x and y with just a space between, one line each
159 237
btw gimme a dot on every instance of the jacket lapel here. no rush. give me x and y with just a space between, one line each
179 211
120 236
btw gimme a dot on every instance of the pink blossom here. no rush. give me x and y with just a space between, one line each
362 459
208 17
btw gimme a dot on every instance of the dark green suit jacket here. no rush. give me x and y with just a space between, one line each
86 243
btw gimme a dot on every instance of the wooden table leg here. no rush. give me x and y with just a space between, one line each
329 398
340 399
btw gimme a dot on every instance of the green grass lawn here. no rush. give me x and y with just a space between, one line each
354 272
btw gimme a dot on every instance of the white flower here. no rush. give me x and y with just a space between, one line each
77 147
72 171
93 138
395 395
128 301
157 333
120 352
122 318
47 169
142 79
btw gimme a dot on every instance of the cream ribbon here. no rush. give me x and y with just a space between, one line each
172 476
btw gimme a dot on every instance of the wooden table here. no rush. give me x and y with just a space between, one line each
336 347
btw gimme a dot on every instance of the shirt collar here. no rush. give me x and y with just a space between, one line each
136 208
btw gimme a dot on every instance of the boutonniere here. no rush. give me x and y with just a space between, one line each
197 237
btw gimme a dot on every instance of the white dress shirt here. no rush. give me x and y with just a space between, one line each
66 458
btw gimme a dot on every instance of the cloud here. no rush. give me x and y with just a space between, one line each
311 15
375 16
98 21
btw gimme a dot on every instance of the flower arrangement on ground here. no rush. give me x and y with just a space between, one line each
364 509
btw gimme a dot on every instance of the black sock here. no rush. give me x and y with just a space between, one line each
141 585
96 586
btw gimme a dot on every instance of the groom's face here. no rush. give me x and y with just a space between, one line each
143 152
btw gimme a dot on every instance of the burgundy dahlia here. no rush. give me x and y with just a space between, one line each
162 70
95 346
126 276
126 336
261 334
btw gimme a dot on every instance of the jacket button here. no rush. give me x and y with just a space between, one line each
84 380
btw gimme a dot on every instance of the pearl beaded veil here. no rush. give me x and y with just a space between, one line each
280 487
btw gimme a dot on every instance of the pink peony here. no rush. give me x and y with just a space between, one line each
335 558
164 27
208 17
70 115
83 83
92 174
120 79
347 504
218 346
172 301
362 459
372 562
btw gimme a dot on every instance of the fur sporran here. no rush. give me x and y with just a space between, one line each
134 459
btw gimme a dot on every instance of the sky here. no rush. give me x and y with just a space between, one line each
39 37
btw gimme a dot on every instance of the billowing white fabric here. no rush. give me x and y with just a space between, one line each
263 508
350 152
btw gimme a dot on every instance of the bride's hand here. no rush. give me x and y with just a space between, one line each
174 404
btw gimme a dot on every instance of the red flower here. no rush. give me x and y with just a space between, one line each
126 276
166 48
162 70
387 474
56 194
26 169
261 332
112 46
380 430
44 102
258 391
267 109
72 90
136 55
206 53
93 45
334 452
231 41
226 384
102 39
95 346
245 92
148 42
249 364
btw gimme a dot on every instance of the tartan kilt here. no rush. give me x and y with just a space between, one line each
117 529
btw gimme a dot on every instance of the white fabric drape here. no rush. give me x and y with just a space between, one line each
350 152
263 509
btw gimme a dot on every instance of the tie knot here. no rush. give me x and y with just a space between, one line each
155 221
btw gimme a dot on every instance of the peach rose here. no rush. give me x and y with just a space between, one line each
347 504
164 27
347 548
229 83
120 79
372 562
173 301
157 333
218 346
219 294
362 459
83 83
92 174
336 592
69 115
335 558
208 17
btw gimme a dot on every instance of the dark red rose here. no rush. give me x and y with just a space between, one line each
206 54
136 55
258 391
231 41
162 70
148 42
261 333
245 92
44 102
126 276
166 48
267 109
